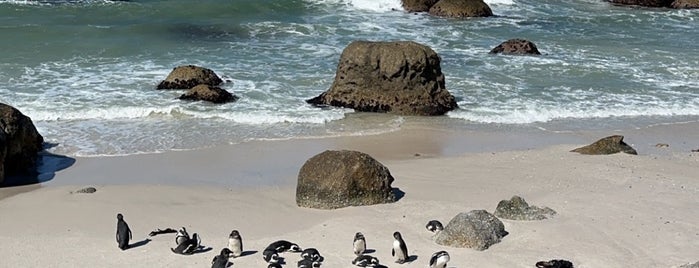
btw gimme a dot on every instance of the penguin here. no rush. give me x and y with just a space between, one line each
270 255
283 246
188 247
439 259
182 236
554 264
400 250
274 265
359 244
307 263
235 244
366 261
434 226
311 254
221 260
123 232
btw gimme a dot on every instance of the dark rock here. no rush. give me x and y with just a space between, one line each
186 77
461 9
554 264
418 5
609 145
19 142
518 209
209 93
516 46
685 4
336 179
695 151
86 190
691 265
476 229
393 77
645 3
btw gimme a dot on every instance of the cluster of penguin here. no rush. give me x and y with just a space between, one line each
310 257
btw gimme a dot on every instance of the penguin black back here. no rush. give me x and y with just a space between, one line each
123 232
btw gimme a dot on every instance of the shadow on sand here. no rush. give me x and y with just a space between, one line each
47 164
398 193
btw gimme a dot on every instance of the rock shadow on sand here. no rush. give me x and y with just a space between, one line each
47 164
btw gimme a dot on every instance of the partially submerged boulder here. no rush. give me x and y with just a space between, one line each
516 46
208 93
645 3
336 179
517 209
461 9
418 5
189 76
476 229
392 77
609 145
685 4
19 142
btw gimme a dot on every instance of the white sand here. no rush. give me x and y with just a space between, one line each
613 211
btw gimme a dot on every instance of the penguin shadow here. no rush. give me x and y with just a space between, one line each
247 253
140 243
47 164
201 249
411 258
369 251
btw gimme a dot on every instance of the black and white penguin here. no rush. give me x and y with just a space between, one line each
274 265
359 244
307 263
434 226
188 247
400 250
123 232
235 244
366 261
270 255
284 246
221 260
311 254
182 236
554 264
439 259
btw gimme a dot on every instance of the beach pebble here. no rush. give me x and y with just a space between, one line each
86 190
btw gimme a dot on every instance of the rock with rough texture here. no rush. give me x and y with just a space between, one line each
19 142
645 3
461 9
518 209
186 77
209 93
476 229
392 77
418 5
516 46
685 4
691 265
86 190
609 145
336 179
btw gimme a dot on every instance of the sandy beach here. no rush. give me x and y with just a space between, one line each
613 211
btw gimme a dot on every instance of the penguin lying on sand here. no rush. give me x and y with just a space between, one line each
188 247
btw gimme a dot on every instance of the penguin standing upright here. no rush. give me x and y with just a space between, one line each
400 250
123 232
439 259
359 244
235 244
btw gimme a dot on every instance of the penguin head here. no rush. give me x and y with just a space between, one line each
225 252
295 248
397 235
120 217
358 235
234 234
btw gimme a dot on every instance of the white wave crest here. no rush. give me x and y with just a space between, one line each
368 5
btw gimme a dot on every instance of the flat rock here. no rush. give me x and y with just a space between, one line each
208 93
609 145
517 209
476 229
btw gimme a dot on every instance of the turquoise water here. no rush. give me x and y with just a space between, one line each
85 71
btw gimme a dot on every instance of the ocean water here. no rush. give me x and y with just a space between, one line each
85 71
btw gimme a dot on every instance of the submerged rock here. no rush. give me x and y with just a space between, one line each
189 76
516 46
517 209
476 229
208 93
391 77
609 145
461 9
645 3
336 179
20 142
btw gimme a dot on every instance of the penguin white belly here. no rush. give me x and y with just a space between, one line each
442 262
359 246
235 247
400 255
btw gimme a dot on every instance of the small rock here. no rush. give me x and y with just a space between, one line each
662 145
208 93
516 46
86 190
695 151
517 209
609 145
554 264
189 76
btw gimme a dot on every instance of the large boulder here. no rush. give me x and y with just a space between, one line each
209 93
516 46
186 77
19 142
688 4
418 5
461 9
336 179
645 3
609 145
517 209
393 77
476 229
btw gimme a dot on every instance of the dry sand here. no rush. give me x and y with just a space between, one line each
613 211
